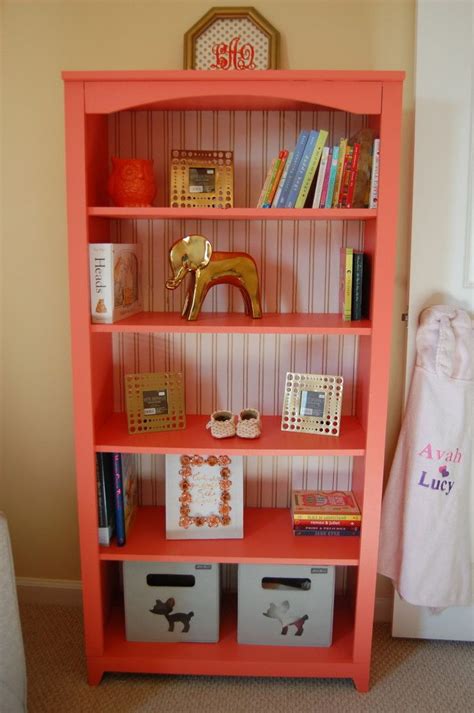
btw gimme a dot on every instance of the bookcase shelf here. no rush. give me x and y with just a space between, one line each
236 323
268 539
298 251
228 657
155 213
113 436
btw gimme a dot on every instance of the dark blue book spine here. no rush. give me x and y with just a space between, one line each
301 170
326 533
357 277
119 501
297 154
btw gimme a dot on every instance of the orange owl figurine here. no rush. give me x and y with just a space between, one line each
132 183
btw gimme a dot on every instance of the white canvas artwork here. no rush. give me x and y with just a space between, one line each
204 497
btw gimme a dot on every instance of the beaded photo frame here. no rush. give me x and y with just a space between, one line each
201 179
312 404
155 402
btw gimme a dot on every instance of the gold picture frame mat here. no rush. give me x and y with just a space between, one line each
231 12
137 386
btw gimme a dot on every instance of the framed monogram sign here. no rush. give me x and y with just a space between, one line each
231 38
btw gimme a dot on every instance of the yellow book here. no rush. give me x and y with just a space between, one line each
311 170
345 292
340 165
322 516
268 181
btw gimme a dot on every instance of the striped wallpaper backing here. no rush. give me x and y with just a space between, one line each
298 264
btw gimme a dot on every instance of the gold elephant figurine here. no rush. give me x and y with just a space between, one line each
194 254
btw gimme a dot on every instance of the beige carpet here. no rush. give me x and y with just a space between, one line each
407 676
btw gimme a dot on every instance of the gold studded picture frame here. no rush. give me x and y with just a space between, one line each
312 404
201 179
155 402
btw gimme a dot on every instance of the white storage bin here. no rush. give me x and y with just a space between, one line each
285 605
170 601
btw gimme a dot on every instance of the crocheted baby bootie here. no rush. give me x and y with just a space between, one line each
249 424
222 424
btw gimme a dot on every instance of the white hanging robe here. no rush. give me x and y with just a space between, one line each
425 538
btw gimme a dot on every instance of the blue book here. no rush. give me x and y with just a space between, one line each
301 169
124 494
105 495
297 154
332 177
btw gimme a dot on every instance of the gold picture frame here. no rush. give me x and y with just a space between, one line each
232 38
312 404
201 179
155 402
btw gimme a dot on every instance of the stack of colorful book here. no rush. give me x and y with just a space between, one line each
314 175
325 513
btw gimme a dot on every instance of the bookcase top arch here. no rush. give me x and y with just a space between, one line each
355 92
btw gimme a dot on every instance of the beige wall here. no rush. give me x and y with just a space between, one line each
37 489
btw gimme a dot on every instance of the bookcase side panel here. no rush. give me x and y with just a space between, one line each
81 360
383 280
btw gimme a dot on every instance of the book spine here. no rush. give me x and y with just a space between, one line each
101 283
267 182
374 178
282 180
301 170
129 480
366 287
345 293
119 499
327 517
325 533
326 182
340 164
281 166
346 172
357 278
100 480
353 175
329 528
320 179
311 170
326 524
332 177
297 154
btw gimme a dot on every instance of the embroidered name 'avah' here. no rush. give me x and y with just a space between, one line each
436 454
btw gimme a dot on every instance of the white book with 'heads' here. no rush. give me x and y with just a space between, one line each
115 274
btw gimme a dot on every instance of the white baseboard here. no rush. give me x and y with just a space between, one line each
66 592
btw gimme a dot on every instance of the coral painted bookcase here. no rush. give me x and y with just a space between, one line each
228 359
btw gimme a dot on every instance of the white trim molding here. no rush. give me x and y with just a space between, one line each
64 592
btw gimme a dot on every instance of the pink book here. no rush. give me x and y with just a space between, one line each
322 202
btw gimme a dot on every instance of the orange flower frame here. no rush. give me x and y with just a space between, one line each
223 518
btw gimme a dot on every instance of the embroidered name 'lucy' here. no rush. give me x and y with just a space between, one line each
445 486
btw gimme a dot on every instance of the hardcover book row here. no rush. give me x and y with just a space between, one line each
314 175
